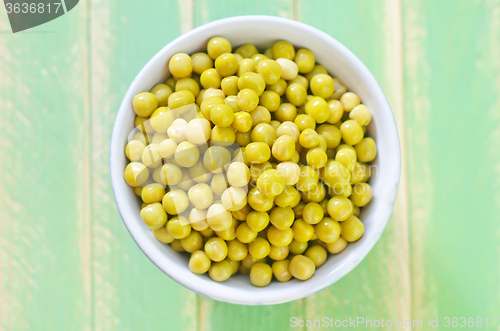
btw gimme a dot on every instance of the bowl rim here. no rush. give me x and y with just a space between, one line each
345 268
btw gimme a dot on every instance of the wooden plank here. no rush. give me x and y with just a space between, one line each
210 10
452 85
44 269
222 316
130 292
380 286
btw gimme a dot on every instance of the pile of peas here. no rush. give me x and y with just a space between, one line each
252 163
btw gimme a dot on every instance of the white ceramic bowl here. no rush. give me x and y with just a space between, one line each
263 31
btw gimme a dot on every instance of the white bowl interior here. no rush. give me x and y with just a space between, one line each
263 31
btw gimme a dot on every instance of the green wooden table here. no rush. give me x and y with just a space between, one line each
68 263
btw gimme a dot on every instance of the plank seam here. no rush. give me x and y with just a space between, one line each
400 118
88 162
64 6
